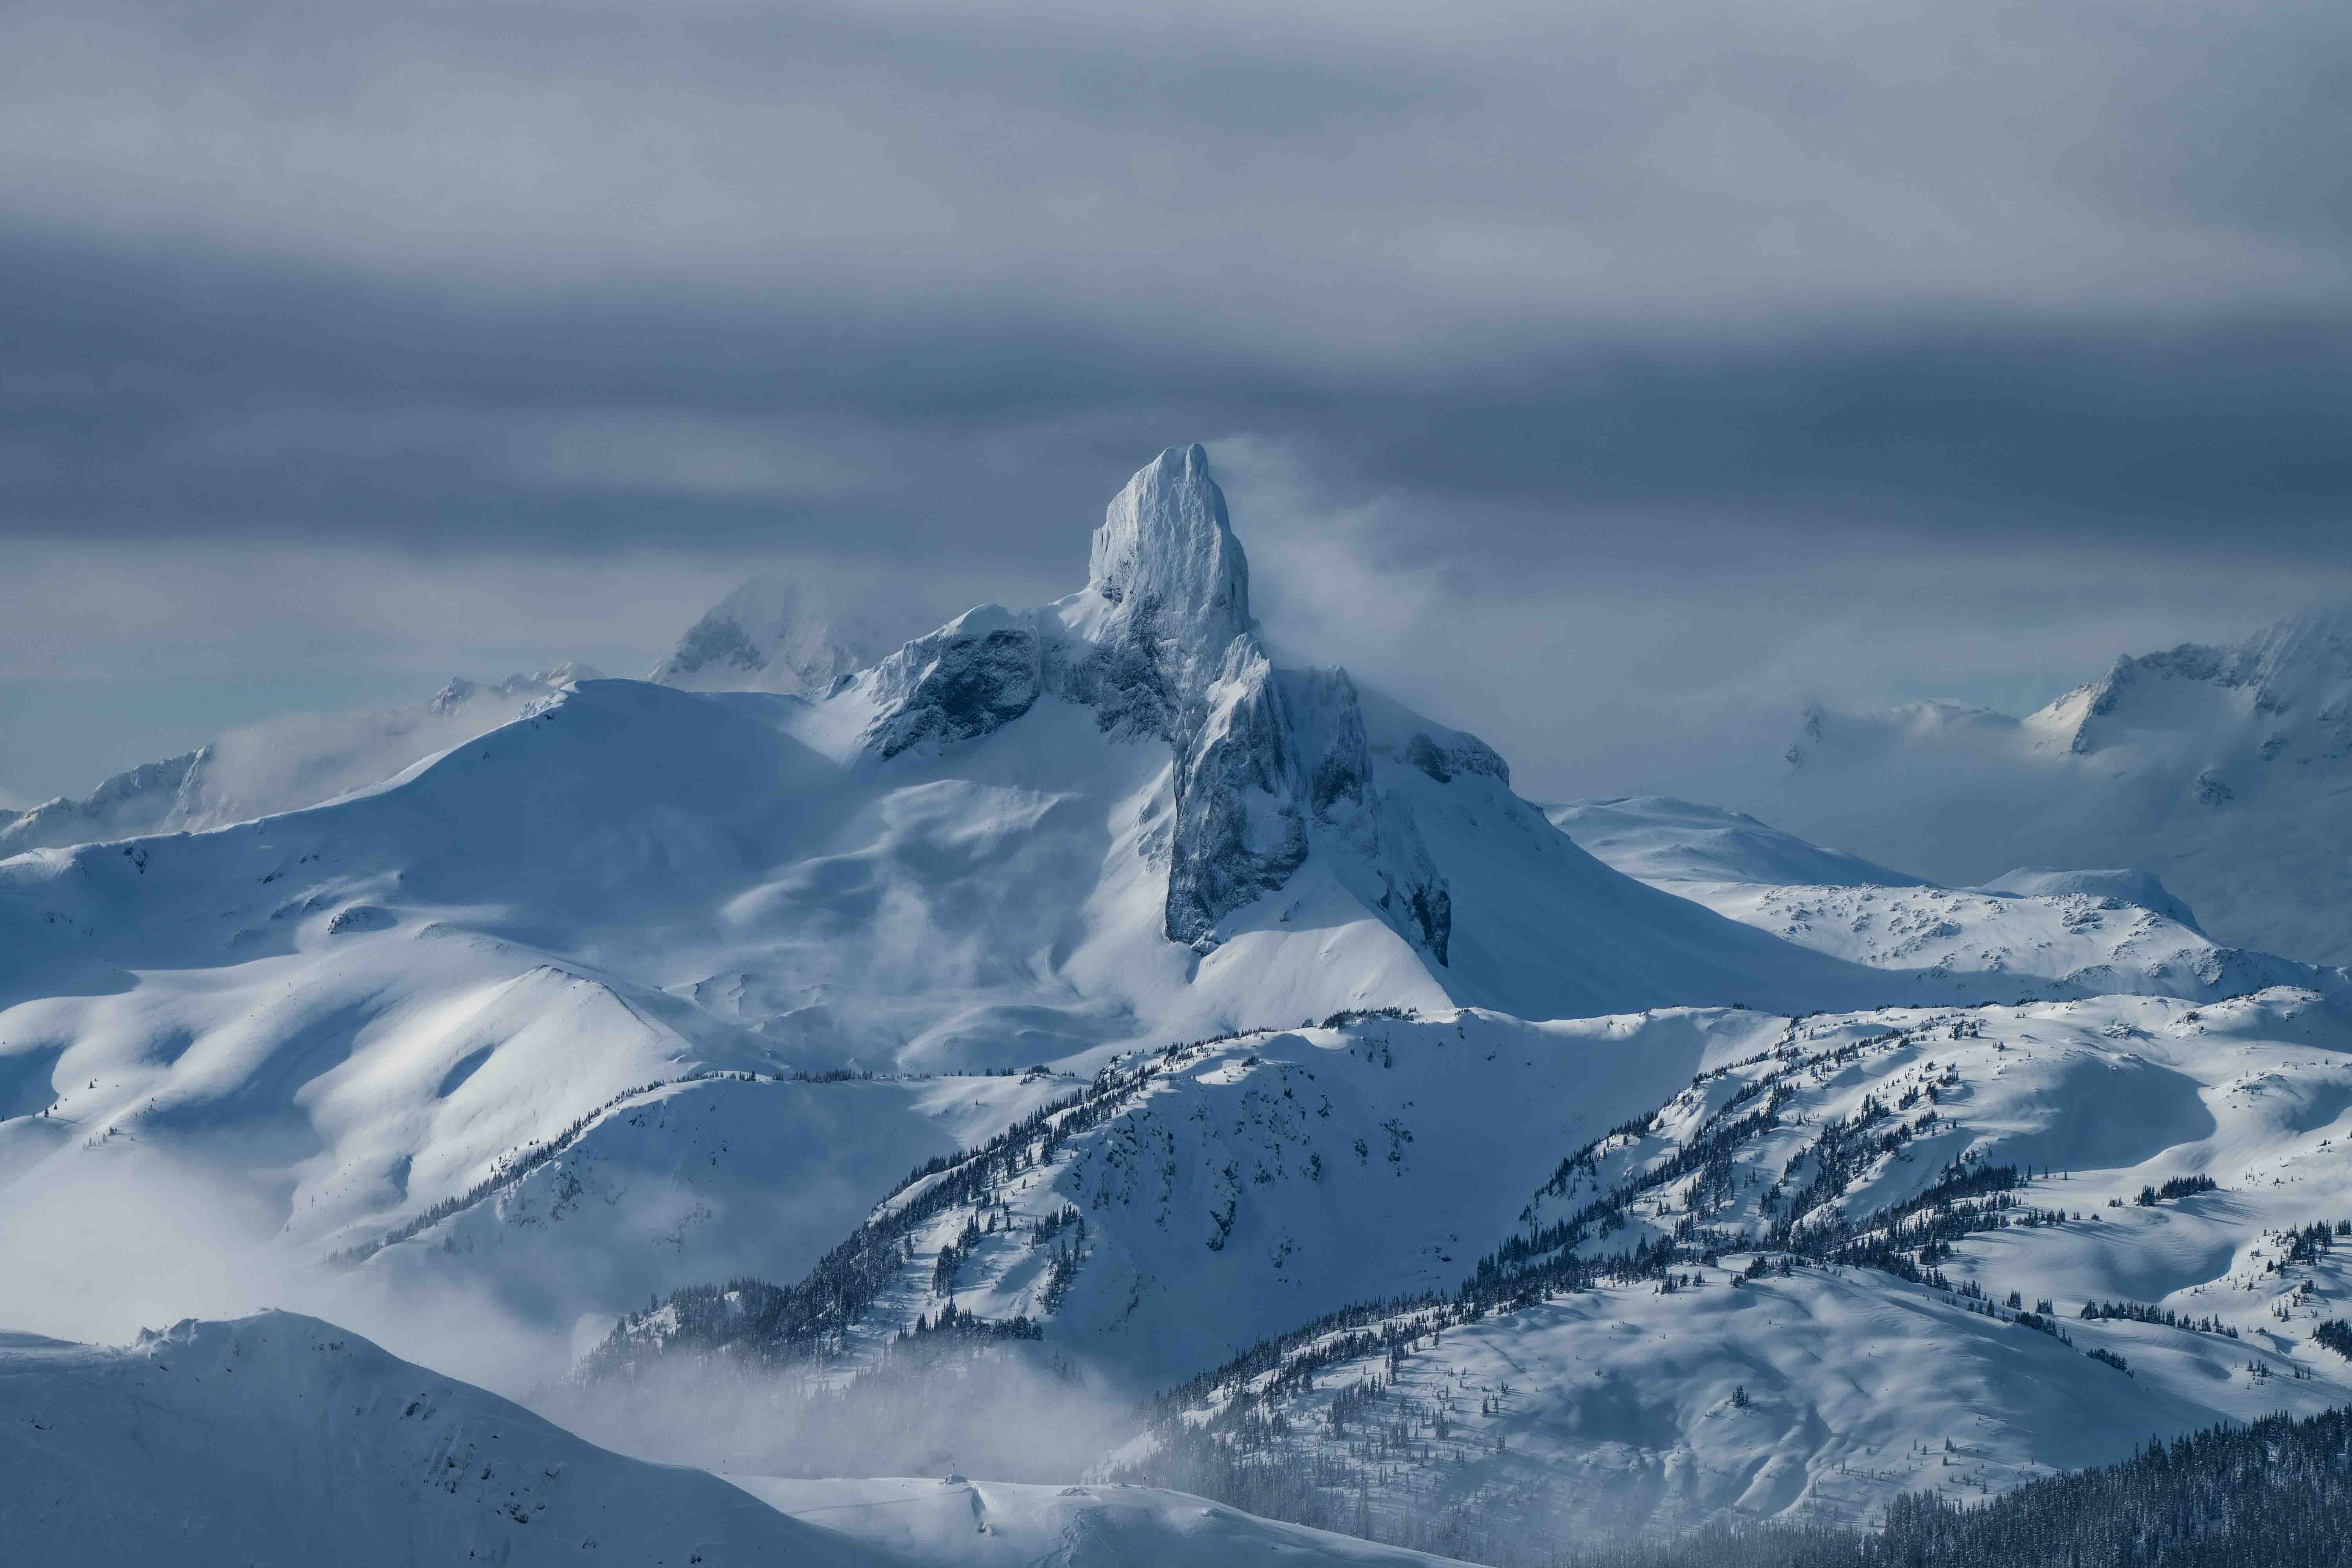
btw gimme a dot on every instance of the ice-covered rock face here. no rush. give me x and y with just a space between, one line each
1239 827
977 673
1175 584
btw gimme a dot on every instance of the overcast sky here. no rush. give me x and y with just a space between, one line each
1608 377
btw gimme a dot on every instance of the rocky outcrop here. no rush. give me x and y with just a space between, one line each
976 674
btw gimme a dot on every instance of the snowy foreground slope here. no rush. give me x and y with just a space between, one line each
2033 932
2025 1149
2223 770
280 1439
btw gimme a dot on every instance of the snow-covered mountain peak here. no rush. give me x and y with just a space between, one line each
772 634
1166 561
2298 667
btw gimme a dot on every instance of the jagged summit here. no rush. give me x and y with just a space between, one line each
538 683
1171 579
1160 644
2222 768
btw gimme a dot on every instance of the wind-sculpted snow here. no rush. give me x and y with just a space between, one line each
1167 595
283 1440
1889 1252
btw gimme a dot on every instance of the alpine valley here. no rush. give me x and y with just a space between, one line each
683 1119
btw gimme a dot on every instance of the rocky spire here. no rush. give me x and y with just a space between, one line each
1160 644
1173 590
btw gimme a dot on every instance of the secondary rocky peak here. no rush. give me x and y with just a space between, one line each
772 634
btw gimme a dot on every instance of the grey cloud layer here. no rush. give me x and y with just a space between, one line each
157 396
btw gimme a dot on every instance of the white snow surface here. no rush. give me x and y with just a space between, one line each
2035 931
280 764
650 986
1662 840
992 1524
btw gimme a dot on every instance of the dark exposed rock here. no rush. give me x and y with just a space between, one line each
977 673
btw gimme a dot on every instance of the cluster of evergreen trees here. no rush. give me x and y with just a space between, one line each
2274 1494
2140 1312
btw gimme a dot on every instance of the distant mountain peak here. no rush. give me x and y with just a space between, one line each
772 634
538 683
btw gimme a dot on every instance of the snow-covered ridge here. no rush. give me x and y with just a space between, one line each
1662 840
1231 1188
2033 932
281 765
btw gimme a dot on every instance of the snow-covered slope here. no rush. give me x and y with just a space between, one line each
1580 1393
2223 770
1231 1189
1663 841
2121 885
772 634
2033 932
278 764
280 1439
